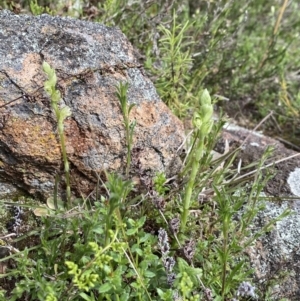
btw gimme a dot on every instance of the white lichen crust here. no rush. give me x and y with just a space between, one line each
294 181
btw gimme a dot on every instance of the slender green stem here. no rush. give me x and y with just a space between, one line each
66 165
202 121
129 126
128 145
61 115
191 182
225 256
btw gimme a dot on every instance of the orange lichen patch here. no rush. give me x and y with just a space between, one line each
32 137
76 142
145 120
30 74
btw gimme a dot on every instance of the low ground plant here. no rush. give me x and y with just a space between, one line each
167 239
143 243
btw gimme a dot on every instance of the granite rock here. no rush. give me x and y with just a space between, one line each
90 59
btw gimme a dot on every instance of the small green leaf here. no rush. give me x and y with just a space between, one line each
55 96
136 249
205 98
131 221
207 112
141 221
104 288
124 296
131 231
146 237
197 120
65 112
149 274
87 297
50 203
46 67
48 87
98 229
131 107
160 292
41 211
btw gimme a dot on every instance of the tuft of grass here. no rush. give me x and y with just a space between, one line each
172 68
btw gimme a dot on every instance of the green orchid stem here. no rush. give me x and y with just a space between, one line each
190 185
60 120
66 167
129 126
126 121
61 115
203 123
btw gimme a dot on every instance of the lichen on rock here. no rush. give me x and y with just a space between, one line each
294 181
90 60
